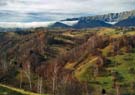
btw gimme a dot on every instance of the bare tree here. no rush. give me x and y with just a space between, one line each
21 72
27 72
86 88
95 71
55 77
97 66
40 85
132 86
116 78
5 63
117 88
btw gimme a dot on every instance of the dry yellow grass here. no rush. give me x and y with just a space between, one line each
19 90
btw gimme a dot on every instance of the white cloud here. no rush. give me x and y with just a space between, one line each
25 25
60 9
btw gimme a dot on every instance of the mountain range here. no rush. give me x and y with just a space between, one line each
122 19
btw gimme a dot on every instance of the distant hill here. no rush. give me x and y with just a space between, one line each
84 23
59 25
126 22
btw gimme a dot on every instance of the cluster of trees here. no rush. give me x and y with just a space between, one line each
63 79
50 75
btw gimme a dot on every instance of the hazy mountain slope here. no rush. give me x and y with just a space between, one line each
111 17
59 25
84 23
127 22
105 20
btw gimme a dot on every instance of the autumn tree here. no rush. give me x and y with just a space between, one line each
116 78
40 85
27 72
55 70
4 62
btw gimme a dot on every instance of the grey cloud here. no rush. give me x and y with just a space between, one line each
3 3
42 10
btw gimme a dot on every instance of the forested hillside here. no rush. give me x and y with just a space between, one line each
68 61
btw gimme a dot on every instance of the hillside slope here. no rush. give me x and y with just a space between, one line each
68 61
126 23
8 90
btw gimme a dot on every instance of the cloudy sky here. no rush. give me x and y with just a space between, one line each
52 10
